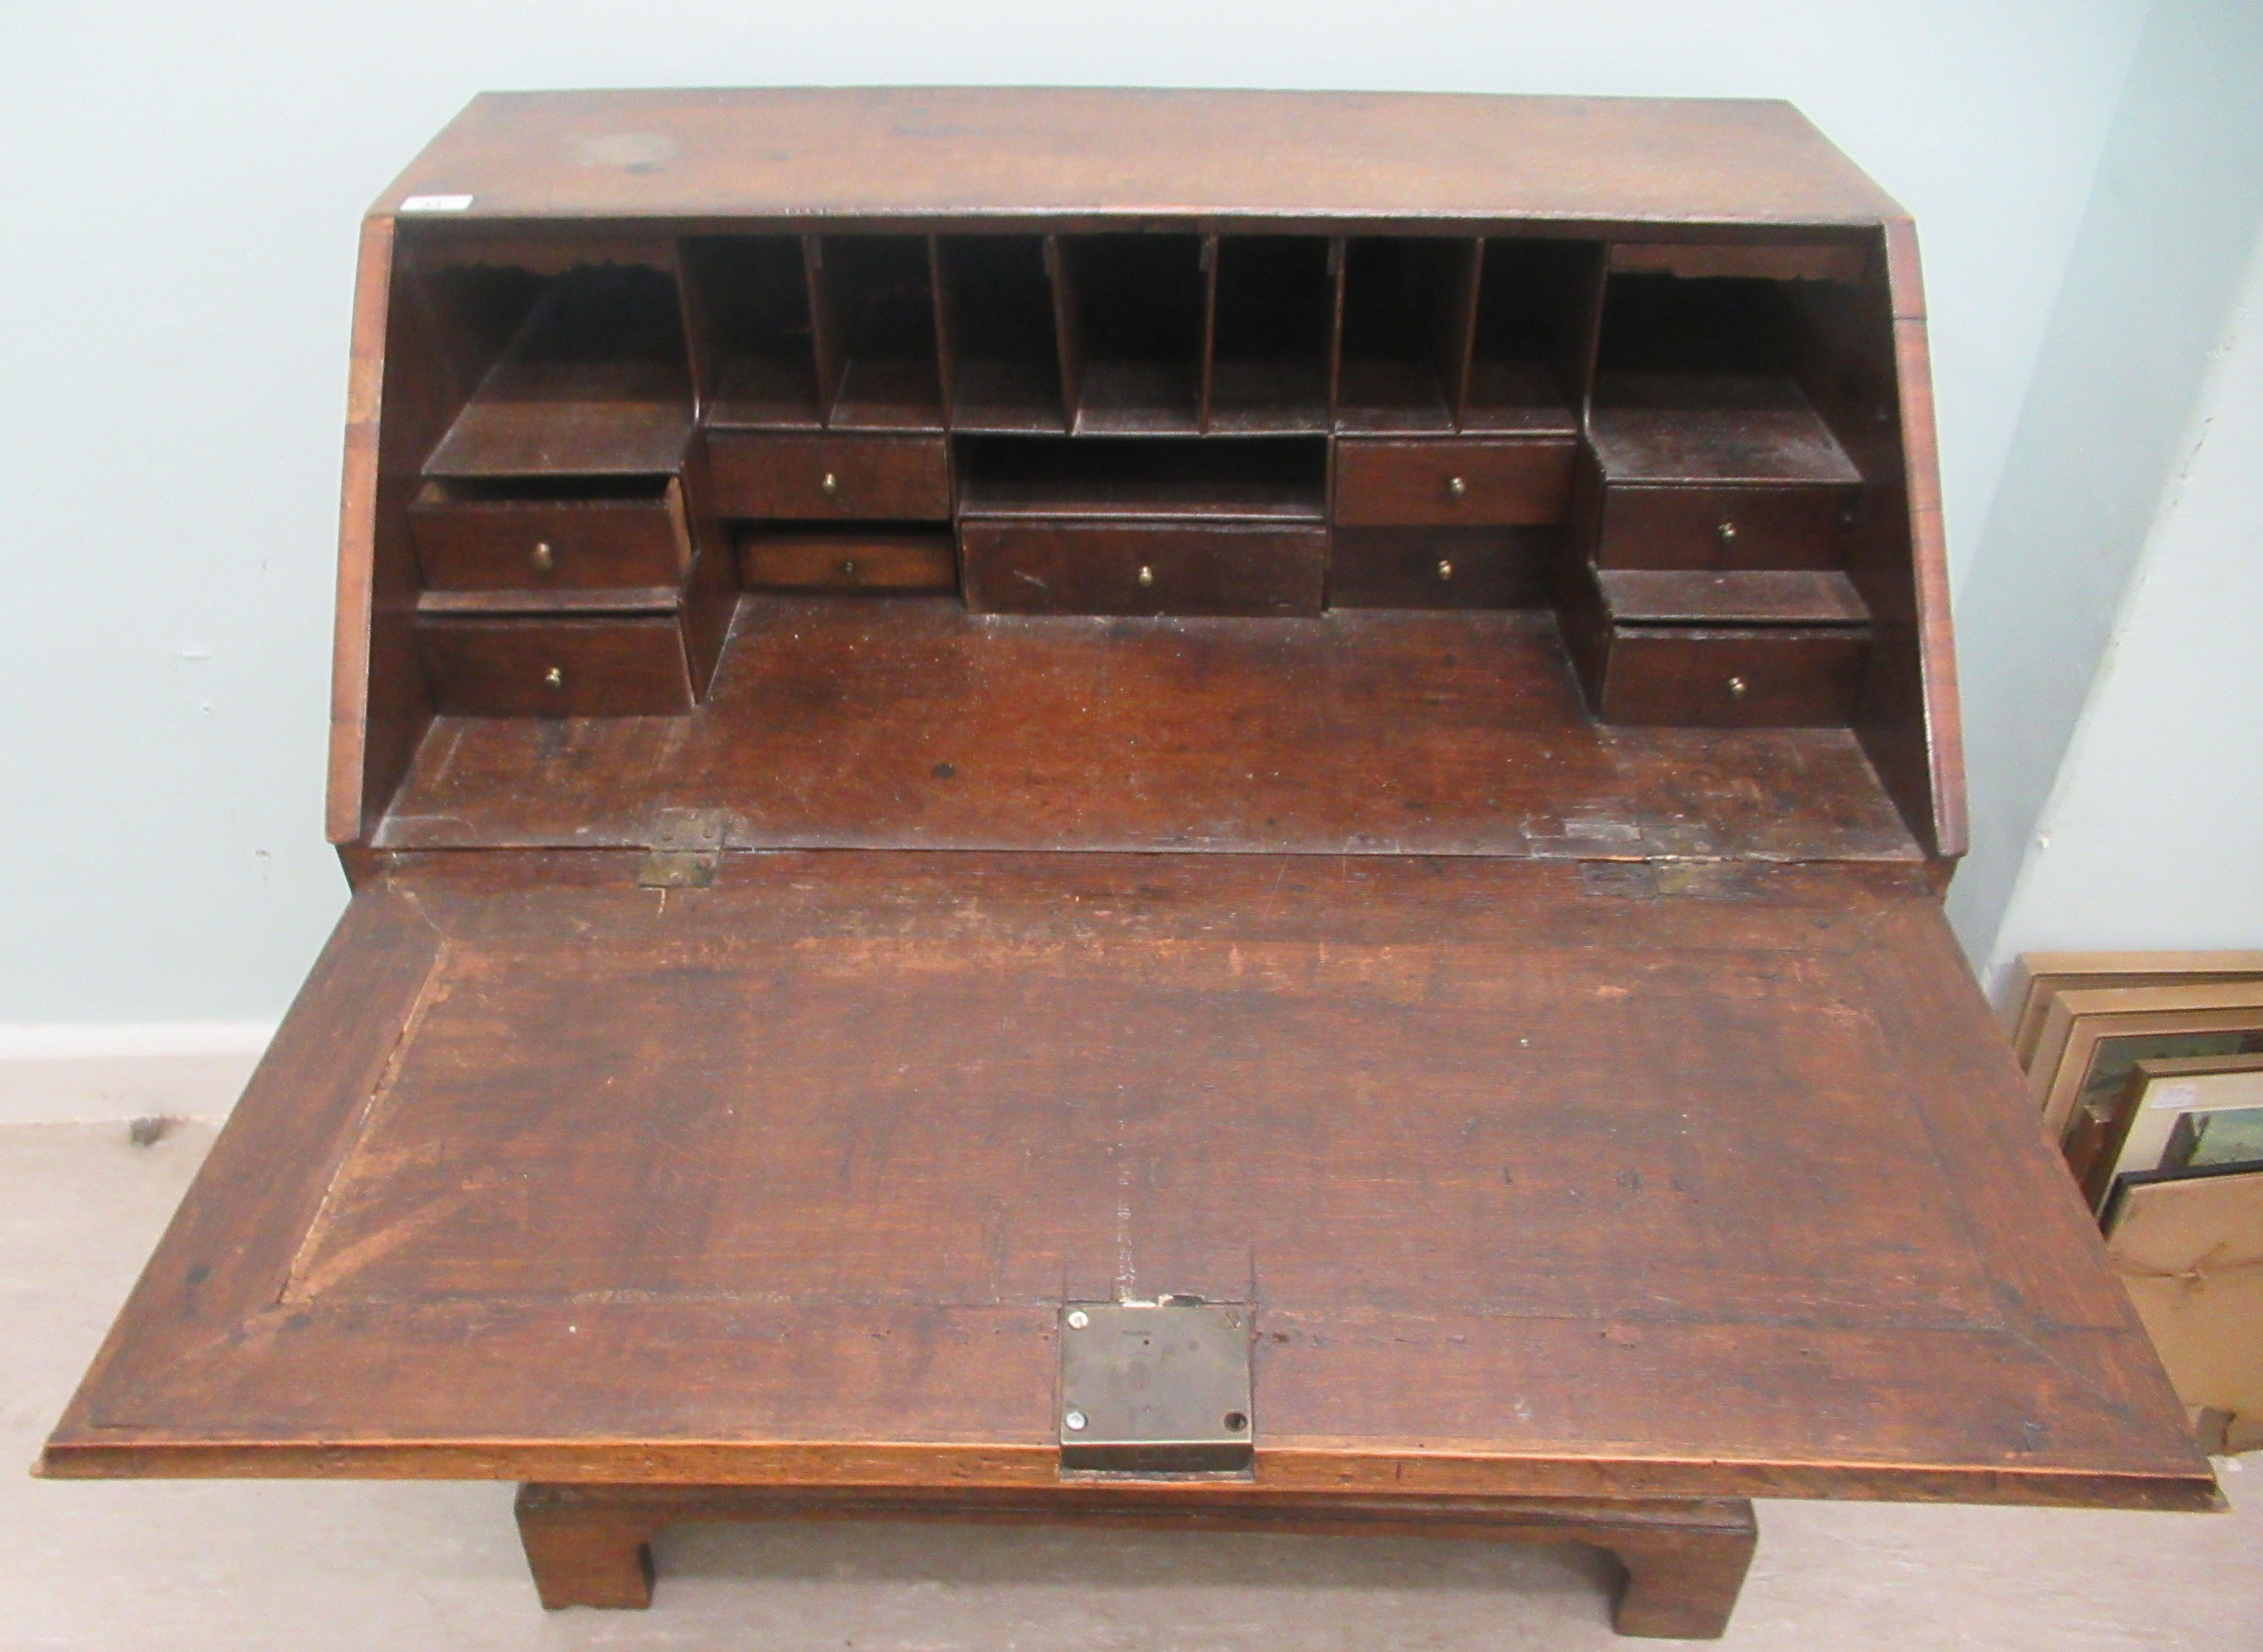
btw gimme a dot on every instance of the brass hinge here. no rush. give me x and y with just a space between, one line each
687 850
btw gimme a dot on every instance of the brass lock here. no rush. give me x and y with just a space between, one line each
1445 569
1456 487
543 558
830 486
1146 576
1738 687
554 678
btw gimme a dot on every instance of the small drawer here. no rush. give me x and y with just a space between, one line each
1041 567
1439 567
562 668
1785 526
905 563
1760 677
1463 483
472 537
830 477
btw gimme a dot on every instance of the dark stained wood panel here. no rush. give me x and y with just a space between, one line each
1746 597
1534 1180
857 559
1757 527
997 155
1460 483
476 544
913 725
576 420
1712 428
1758 676
1440 567
557 665
830 477
1143 569
619 599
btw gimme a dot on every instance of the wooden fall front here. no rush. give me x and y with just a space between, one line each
959 709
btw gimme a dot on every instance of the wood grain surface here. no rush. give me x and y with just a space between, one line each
911 724
1129 567
992 155
1752 596
1758 676
1539 1187
1680 1563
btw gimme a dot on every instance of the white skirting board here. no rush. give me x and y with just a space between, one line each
91 1073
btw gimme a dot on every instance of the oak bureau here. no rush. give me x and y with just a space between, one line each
1196 809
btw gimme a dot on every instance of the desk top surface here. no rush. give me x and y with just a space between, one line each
1540 1182
987 153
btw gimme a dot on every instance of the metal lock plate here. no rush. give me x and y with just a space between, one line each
1158 1388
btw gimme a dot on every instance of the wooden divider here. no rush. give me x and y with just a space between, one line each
1149 333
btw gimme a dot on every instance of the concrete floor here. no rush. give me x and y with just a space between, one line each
314 1567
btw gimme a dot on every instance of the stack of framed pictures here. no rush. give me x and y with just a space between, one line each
2147 1070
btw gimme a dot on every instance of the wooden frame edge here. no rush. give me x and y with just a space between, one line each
1937 646
349 653
1279 1469
2078 1021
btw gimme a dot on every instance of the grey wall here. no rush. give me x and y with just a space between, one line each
2153 833
2110 425
183 191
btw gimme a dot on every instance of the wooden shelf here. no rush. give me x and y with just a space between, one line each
1674 597
1130 310
1272 333
1256 479
763 393
1713 428
641 599
1414 733
1405 337
595 380
748 300
877 349
1000 347
1531 336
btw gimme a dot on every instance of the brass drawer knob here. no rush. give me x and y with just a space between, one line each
543 558
1146 576
1738 687
1445 569
1727 533
830 486
554 678
848 567
1456 487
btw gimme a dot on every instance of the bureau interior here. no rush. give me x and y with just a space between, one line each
1652 486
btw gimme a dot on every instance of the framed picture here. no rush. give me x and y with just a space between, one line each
2189 1251
2159 1099
2041 976
2092 1039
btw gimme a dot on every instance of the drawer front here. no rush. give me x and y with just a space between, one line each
1516 483
830 477
1439 567
575 668
1725 527
1764 677
508 544
1040 567
907 563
